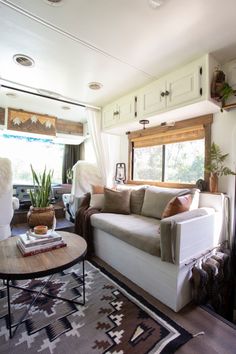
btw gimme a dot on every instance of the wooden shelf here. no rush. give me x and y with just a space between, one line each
228 107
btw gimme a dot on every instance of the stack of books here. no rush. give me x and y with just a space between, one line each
31 244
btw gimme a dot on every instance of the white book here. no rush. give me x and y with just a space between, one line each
29 240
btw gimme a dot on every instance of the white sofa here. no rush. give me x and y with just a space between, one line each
182 238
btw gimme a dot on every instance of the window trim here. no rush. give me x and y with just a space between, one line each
185 130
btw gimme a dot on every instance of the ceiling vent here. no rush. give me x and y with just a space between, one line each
95 85
54 2
23 60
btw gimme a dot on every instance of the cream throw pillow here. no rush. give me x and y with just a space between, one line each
156 199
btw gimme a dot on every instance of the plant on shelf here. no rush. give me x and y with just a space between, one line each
225 93
41 212
216 167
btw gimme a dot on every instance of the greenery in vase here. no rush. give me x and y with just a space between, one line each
40 195
217 158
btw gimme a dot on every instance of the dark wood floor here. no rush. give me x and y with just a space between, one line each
218 338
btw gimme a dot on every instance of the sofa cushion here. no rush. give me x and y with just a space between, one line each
136 200
140 231
177 205
116 201
156 199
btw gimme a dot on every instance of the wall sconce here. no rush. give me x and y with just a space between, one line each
144 122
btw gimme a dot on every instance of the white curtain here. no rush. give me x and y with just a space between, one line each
106 147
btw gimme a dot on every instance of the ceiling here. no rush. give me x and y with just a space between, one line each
123 44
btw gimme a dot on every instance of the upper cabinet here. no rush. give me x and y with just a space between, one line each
166 98
181 87
121 111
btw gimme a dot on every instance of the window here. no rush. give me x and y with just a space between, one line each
173 155
180 162
23 151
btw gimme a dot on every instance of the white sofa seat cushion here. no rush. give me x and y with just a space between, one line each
139 231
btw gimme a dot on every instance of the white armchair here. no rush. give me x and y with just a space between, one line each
7 203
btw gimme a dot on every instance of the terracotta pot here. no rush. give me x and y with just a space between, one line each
213 183
41 216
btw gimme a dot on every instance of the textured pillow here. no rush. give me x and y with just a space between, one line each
156 199
97 189
136 200
97 201
177 205
117 202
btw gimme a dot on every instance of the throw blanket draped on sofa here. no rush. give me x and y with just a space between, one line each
82 223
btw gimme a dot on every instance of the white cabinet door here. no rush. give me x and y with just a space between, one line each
184 86
110 115
123 110
127 108
153 98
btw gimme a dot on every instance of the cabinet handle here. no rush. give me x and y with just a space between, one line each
162 94
116 113
167 93
135 106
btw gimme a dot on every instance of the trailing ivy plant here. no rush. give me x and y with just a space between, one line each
40 195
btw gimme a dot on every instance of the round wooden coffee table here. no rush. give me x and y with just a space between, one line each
13 266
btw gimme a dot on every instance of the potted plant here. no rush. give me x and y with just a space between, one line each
41 211
216 167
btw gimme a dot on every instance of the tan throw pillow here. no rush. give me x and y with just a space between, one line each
177 205
97 189
117 202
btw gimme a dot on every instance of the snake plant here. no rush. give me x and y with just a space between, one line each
40 195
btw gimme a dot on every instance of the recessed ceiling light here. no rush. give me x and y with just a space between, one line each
54 2
23 60
66 108
155 3
95 85
11 94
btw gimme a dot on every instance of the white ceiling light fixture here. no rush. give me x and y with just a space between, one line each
23 60
54 2
155 3
95 85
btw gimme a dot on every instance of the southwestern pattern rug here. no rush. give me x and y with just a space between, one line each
114 320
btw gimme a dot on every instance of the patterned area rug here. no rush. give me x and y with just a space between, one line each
114 320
